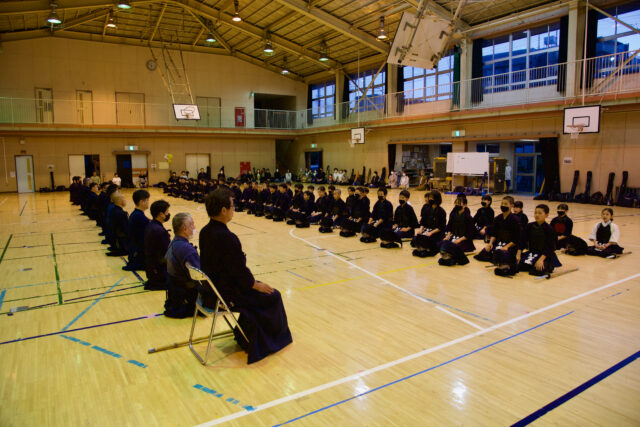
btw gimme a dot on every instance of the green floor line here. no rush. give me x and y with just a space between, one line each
71 292
24 206
55 266
5 247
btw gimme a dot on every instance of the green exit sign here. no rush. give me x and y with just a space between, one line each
314 145
457 133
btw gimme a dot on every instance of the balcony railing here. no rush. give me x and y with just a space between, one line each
605 75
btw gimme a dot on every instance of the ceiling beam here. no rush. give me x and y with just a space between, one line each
210 28
351 67
249 29
335 23
195 41
155 28
83 19
440 11
42 6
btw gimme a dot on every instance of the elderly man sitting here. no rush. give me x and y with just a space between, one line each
181 290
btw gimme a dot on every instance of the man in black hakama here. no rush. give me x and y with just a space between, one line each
262 314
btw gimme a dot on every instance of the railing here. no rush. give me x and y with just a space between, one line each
604 75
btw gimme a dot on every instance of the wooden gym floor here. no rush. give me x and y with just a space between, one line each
380 337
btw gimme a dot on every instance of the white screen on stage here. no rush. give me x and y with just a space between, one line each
468 163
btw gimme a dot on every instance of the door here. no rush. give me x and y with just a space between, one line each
44 105
529 173
124 169
209 111
76 166
138 168
195 162
84 106
313 159
129 108
24 174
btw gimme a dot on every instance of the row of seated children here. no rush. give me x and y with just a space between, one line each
512 243
142 240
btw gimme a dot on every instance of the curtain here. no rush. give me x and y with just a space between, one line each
391 156
385 70
561 86
550 163
309 104
455 103
400 90
592 39
345 99
476 72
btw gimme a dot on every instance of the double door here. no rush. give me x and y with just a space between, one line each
529 173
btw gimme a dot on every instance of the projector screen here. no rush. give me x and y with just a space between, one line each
468 163
186 112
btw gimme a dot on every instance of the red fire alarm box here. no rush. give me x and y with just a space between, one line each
245 167
240 117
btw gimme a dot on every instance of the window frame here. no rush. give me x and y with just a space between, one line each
372 102
411 95
323 104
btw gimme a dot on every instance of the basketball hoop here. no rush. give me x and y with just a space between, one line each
575 130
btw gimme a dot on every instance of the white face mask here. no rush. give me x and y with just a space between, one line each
193 233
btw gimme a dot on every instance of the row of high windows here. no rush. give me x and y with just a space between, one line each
523 59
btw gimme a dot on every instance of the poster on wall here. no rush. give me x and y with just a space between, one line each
240 117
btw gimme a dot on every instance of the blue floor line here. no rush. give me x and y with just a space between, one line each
92 304
423 371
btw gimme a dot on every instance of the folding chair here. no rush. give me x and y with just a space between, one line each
221 309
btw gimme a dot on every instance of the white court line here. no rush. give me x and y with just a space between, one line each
401 289
4 200
468 322
387 365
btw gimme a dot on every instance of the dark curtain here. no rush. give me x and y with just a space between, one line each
476 72
345 99
455 103
391 156
561 86
592 40
551 165
400 90
309 103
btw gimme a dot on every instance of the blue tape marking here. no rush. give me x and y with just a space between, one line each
92 304
135 362
576 391
61 281
79 329
76 340
2 294
105 351
302 277
423 371
216 394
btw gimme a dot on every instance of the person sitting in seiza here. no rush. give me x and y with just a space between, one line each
459 235
518 212
270 204
237 195
93 207
182 291
246 196
359 214
352 200
540 240
321 207
282 203
296 204
253 191
336 213
404 223
263 198
504 240
138 222
306 209
312 189
562 225
433 223
605 237
381 218
484 219
156 242
262 315
118 219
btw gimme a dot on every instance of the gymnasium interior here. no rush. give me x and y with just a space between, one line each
534 99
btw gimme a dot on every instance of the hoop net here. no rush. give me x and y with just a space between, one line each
354 141
575 130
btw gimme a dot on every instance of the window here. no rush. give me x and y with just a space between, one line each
422 85
527 147
445 148
523 59
618 40
323 99
488 148
374 99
